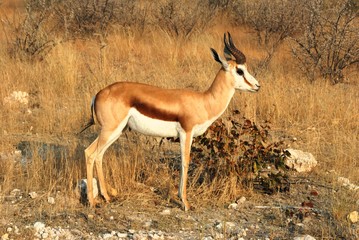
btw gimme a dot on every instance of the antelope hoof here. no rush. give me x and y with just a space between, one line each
113 192
93 203
186 206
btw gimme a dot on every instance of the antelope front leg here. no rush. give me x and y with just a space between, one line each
186 141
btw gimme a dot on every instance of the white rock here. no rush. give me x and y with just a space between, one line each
207 238
219 226
233 206
300 161
166 212
39 226
305 237
353 217
44 235
5 236
122 235
16 230
51 200
147 224
241 200
83 187
33 195
344 181
15 192
230 224
107 235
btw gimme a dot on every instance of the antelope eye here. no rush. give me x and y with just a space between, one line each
240 72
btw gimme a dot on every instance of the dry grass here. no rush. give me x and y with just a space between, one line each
324 118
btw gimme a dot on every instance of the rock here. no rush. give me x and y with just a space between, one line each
346 183
83 188
17 97
305 237
147 224
166 212
15 192
51 200
241 200
233 206
33 195
353 217
45 235
107 235
5 236
39 226
122 235
300 161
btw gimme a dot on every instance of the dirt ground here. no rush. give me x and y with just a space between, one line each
307 209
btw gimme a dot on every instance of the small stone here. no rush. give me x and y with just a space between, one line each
9 229
5 236
33 195
305 237
300 161
16 230
39 226
353 217
166 212
241 200
90 216
344 181
51 200
230 224
122 235
233 206
44 235
147 224
107 235
15 192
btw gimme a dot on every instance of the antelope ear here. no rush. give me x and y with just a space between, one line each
216 57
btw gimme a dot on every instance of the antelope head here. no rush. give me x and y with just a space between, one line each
242 79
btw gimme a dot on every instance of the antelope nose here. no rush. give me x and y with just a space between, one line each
258 87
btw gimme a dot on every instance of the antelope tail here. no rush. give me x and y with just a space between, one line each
92 119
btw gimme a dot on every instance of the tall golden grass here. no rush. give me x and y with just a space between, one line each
323 117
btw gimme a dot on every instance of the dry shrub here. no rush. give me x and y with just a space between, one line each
329 44
31 37
272 21
239 149
181 19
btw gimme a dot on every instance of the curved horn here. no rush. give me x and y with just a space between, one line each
240 57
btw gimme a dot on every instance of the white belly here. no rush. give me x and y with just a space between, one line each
150 126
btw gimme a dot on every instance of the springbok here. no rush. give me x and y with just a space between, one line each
162 112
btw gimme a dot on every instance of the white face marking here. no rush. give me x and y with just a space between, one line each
150 126
244 81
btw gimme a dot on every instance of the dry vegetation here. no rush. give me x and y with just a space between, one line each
62 71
